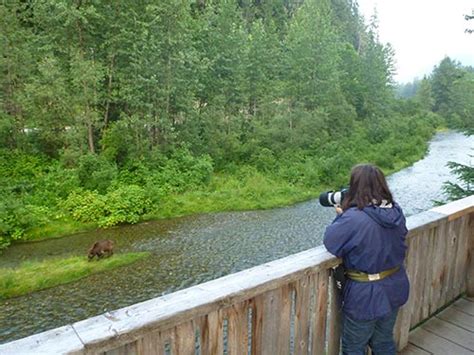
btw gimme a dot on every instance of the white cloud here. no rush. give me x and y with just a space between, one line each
422 32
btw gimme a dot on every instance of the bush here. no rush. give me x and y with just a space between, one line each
85 206
264 160
125 205
182 171
95 173
16 218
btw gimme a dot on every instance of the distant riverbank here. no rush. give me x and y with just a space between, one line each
245 190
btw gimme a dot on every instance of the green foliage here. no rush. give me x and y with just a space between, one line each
95 173
181 171
85 206
465 187
122 204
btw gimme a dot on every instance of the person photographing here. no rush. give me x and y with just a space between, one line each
369 233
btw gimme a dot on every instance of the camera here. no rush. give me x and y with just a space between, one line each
332 198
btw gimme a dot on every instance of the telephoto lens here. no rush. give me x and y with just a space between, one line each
332 198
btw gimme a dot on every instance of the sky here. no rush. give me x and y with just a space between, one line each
423 32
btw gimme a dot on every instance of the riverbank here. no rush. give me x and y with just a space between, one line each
34 276
225 192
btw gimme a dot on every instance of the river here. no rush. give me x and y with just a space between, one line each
190 250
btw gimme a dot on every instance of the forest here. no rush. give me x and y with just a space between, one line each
119 111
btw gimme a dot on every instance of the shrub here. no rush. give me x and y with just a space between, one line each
95 173
182 171
85 206
16 218
125 205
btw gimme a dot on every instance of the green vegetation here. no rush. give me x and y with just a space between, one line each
37 275
115 112
463 189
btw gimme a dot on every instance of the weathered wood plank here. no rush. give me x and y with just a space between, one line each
461 257
470 258
127 349
411 349
283 333
465 306
303 294
319 313
167 336
185 339
435 344
334 321
459 318
443 247
428 285
151 344
457 208
451 332
455 232
237 338
257 324
276 309
58 341
438 258
402 325
421 283
422 221
212 336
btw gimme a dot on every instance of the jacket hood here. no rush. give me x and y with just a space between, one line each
386 217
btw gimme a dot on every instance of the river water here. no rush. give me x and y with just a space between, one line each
190 250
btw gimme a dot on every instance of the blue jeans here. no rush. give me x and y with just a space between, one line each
377 333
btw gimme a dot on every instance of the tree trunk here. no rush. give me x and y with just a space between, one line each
90 136
109 92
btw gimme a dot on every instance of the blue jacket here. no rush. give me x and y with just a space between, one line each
371 240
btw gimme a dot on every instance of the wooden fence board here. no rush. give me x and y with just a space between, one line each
428 284
185 339
151 344
438 256
319 314
461 257
404 318
303 294
334 320
237 339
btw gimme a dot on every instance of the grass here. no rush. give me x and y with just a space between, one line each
230 193
57 229
38 275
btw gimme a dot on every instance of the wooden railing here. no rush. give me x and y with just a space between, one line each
287 306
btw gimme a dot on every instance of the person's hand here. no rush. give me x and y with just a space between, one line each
338 209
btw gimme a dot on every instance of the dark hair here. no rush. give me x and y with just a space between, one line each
367 185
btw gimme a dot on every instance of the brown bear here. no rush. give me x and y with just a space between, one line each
101 248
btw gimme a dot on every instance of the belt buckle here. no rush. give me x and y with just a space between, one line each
373 277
